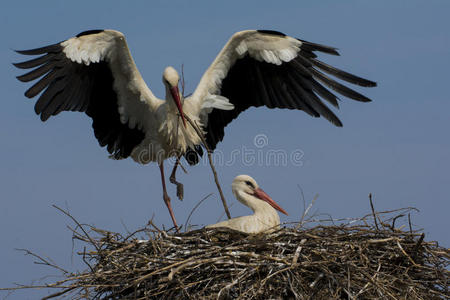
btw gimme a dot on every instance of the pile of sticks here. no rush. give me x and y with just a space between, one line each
366 258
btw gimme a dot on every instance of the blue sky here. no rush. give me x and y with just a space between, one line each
396 147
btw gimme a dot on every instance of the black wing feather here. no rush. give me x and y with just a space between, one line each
70 86
55 48
342 74
340 88
308 46
42 83
34 62
292 85
38 72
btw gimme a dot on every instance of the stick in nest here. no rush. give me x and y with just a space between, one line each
373 211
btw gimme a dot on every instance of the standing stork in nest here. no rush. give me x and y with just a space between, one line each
95 73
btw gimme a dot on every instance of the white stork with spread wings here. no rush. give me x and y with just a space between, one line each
95 73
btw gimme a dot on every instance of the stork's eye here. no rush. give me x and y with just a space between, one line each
250 184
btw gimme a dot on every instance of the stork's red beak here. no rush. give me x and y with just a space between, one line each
259 193
176 96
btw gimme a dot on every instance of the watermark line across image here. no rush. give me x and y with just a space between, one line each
259 154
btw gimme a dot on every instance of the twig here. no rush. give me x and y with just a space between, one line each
182 167
417 245
60 293
306 211
373 211
406 254
200 134
85 261
43 260
195 207
395 219
297 252
222 214
78 224
409 222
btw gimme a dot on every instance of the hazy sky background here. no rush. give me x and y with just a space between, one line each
396 147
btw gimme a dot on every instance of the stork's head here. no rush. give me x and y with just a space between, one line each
246 184
171 80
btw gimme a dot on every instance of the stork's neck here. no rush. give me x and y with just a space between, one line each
176 135
170 102
258 206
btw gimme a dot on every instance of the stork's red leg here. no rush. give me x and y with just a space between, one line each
173 179
166 196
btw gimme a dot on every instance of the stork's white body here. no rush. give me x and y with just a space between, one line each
264 218
168 139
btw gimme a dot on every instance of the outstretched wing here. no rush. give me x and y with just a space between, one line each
268 68
94 73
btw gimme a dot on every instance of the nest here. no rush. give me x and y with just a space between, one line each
368 258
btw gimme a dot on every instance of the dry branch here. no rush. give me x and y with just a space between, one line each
208 150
